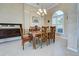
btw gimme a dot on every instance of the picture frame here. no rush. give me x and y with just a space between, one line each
35 19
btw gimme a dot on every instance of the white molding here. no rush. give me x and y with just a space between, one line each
9 39
63 37
40 6
72 49
52 6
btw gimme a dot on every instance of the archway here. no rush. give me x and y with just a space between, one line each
58 21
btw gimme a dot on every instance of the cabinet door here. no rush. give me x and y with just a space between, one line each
5 33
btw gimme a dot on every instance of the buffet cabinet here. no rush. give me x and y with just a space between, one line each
5 33
9 30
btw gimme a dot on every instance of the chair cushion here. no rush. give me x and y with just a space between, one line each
27 37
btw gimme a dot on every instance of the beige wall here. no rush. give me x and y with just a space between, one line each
70 23
63 7
29 12
11 13
18 13
78 25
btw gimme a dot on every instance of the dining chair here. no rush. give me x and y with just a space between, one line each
52 33
25 37
44 35
34 28
35 31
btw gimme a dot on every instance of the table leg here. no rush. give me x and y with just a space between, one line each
53 40
34 43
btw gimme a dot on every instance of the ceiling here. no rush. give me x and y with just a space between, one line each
43 5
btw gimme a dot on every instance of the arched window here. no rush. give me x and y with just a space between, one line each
58 21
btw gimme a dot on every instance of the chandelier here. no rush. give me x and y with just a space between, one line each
41 12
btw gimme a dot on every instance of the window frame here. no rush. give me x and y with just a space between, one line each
58 24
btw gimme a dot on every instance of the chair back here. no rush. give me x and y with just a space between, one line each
45 28
35 28
52 29
52 32
44 33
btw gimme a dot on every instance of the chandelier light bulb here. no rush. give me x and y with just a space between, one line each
40 10
45 11
38 13
42 14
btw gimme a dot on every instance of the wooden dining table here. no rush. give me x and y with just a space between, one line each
38 34
35 35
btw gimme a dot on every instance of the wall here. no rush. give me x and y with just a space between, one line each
70 23
29 12
11 13
18 13
78 26
62 7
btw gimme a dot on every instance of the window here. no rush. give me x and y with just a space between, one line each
58 21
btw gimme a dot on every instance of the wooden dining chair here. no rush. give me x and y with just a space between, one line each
34 28
44 35
37 37
52 33
45 28
25 37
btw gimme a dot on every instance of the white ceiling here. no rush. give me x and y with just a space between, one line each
43 5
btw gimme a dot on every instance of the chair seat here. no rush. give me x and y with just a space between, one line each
27 38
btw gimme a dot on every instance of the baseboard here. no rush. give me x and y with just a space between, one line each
9 39
62 37
74 50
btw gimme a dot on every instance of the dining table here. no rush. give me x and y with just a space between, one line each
36 34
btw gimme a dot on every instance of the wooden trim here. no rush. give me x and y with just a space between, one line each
13 25
21 31
9 24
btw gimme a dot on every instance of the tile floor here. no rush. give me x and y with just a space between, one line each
58 48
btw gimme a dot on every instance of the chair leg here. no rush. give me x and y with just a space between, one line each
53 40
41 43
50 40
47 42
34 43
23 46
